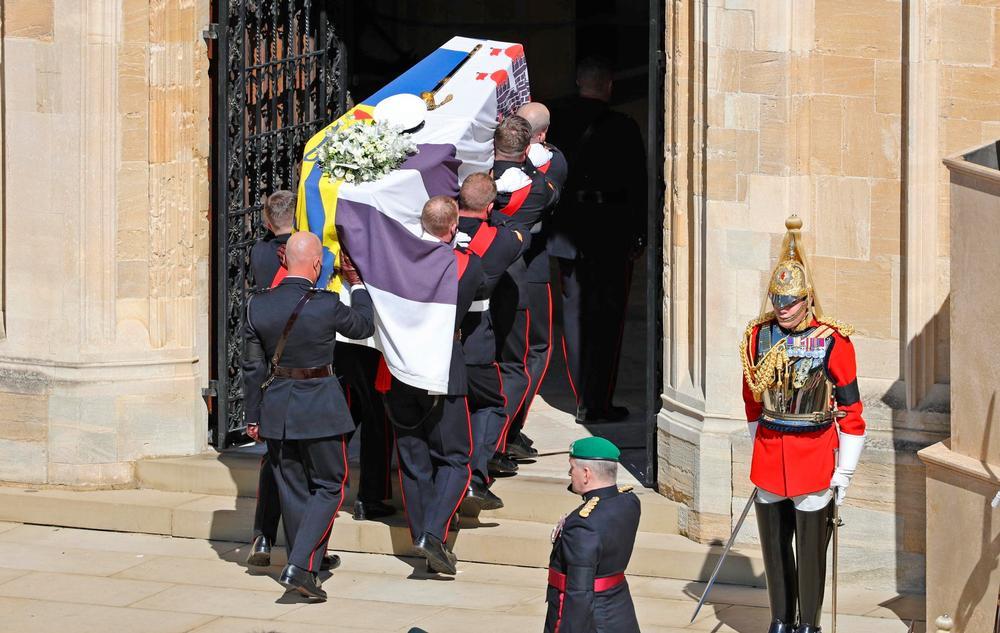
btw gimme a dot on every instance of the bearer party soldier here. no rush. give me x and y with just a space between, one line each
497 248
294 397
525 197
433 433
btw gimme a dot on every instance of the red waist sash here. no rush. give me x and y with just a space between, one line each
557 579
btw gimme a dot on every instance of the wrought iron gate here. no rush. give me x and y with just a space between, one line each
278 72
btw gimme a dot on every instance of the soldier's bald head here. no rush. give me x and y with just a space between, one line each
537 116
439 217
303 255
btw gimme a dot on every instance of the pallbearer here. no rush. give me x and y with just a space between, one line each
591 547
800 388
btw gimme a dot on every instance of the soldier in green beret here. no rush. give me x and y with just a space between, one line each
591 547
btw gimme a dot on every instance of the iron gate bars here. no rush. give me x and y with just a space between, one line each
279 73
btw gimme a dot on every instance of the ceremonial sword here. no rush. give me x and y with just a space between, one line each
729 546
837 522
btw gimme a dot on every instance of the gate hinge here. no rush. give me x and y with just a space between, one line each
211 32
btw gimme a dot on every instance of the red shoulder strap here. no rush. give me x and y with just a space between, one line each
463 262
516 200
483 238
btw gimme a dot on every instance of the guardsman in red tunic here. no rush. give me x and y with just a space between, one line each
804 409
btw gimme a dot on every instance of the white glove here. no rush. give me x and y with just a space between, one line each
847 462
752 429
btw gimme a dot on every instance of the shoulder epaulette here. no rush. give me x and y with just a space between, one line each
589 507
769 316
624 489
324 290
844 329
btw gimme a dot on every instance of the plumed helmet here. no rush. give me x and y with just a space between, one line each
790 280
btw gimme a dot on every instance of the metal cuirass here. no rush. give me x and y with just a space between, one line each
801 399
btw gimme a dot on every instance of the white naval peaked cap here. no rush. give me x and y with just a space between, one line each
405 111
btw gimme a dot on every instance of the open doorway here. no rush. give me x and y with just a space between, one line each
383 38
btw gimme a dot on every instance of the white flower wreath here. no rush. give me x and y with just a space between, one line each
363 152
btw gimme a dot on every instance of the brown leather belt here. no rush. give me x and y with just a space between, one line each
303 373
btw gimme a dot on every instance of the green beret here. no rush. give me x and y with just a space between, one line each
594 448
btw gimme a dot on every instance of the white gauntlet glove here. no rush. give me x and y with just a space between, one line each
752 429
847 462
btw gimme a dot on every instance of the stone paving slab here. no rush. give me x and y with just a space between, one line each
110 592
185 585
47 616
65 560
129 542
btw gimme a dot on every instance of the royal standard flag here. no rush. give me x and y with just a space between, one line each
413 280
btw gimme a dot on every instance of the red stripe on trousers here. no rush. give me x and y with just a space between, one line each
548 358
502 440
329 527
569 374
468 467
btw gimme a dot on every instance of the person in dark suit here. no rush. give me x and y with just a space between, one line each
525 197
267 269
433 432
297 401
598 232
497 248
591 547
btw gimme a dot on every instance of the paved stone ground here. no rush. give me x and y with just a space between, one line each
63 580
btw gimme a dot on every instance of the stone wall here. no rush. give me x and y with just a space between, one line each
105 209
839 111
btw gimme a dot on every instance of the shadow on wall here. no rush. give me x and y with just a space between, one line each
913 430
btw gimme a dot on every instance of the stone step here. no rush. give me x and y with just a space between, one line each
228 518
526 497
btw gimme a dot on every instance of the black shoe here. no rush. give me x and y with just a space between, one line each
371 510
438 558
479 497
527 441
260 552
330 562
778 626
306 583
501 465
519 449
808 628
611 414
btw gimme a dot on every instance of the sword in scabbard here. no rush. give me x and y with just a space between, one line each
837 522
729 546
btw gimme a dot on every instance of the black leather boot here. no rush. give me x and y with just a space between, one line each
439 559
260 552
812 537
305 582
371 510
776 524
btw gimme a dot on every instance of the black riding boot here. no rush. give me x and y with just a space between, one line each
776 524
812 537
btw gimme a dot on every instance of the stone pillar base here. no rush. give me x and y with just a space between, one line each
85 424
690 447
963 578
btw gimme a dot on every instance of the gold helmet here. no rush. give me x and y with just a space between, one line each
790 281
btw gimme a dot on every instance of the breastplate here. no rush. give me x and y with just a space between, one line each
803 388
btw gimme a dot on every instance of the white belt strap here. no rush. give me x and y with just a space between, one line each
482 305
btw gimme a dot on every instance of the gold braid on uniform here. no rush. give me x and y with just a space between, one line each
589 507
770 368
844 329
624 489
